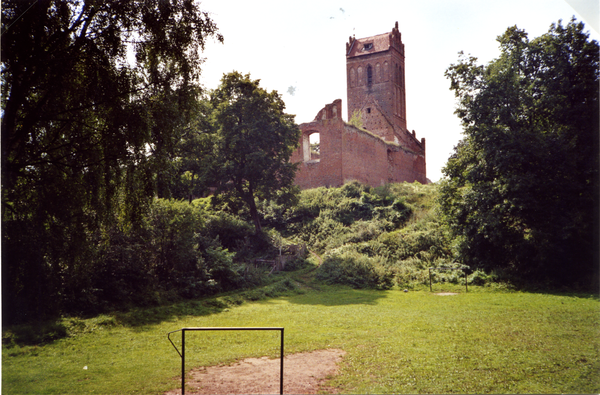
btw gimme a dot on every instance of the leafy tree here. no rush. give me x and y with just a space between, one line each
194 160
254 140
94 95
521 187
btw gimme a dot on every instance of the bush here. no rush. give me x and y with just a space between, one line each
231 231
356 270
178 250
37 333
479 277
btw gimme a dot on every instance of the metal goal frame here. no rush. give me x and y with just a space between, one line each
182 353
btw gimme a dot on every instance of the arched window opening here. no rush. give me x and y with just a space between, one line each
311 147
369 75
315 146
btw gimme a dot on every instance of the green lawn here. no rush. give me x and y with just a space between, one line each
483 341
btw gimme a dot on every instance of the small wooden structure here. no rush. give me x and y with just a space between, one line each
287 253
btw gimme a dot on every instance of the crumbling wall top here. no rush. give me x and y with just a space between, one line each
330 111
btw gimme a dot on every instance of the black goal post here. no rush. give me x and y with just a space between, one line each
182 353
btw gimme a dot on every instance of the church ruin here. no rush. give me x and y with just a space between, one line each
380 151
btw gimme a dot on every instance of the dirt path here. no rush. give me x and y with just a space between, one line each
304 373
318 257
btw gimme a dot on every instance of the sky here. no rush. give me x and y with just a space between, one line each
298 49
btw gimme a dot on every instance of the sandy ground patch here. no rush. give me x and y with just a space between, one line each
446 293
304 373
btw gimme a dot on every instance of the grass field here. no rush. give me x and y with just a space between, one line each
483 341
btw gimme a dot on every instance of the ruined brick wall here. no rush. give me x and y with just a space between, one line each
364 157
406 165
327 170
348 153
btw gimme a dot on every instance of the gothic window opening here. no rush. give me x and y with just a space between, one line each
315 146
369 75
311 147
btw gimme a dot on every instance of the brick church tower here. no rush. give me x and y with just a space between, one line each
375 80
381 150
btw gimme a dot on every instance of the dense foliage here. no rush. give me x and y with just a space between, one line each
237 147
367 238
177 251
254 140
372 237
94 96
521 192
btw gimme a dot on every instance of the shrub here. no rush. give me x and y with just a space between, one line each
356 270
231 230
479 277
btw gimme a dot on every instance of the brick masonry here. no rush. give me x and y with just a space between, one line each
383 150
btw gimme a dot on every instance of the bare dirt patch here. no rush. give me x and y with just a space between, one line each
446 293
304 373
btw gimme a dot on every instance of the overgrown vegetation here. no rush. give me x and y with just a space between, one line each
94 96
365 237
372 237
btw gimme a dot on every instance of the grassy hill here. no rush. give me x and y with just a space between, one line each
375 237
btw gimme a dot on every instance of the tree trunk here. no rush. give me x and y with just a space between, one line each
254 214
249 197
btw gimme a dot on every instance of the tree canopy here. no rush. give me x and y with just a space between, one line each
521 187
94 96
254 140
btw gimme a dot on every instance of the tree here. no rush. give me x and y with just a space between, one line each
521 187
94 95
194 160
254 140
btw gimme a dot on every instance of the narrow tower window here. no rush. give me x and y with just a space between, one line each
369 75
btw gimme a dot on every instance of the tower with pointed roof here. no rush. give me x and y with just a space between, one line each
376 84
